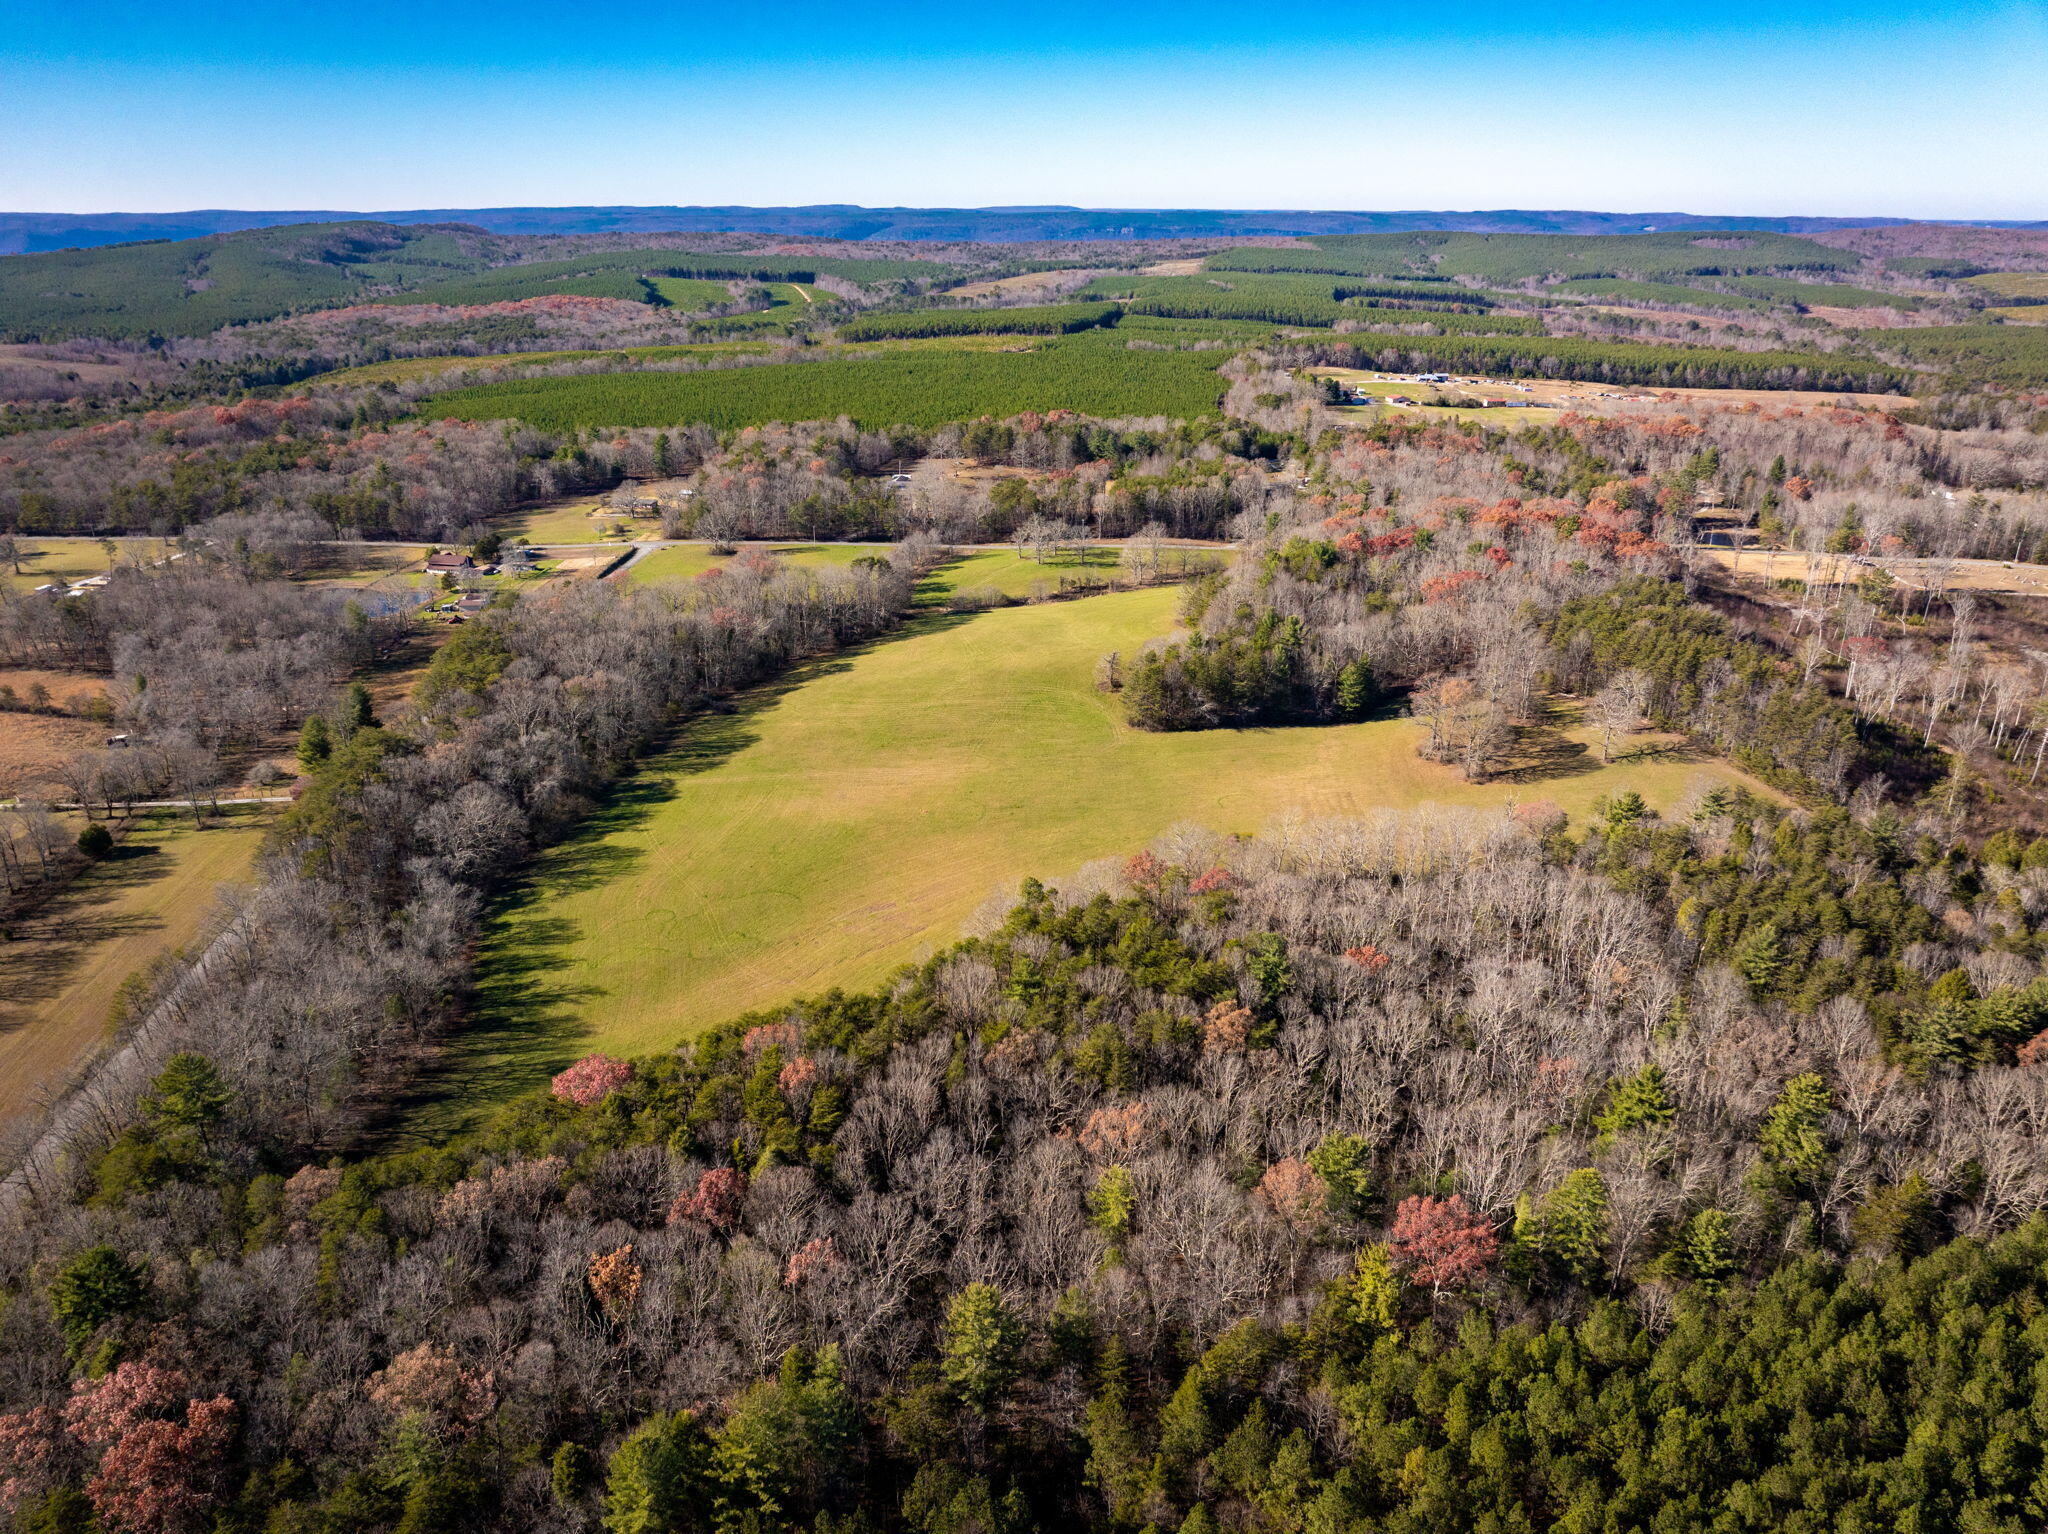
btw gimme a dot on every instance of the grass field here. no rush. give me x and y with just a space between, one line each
44 560
570 521
927 387
848 820
59 976
1003 570
2013 284
683 561
354 565
691 293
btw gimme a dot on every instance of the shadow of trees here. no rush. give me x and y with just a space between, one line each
42 953
524 1019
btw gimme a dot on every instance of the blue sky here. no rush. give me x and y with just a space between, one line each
1739 107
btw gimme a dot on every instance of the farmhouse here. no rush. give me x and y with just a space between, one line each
447 560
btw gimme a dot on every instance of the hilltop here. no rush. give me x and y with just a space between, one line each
846 221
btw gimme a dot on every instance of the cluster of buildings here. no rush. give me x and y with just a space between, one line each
468 574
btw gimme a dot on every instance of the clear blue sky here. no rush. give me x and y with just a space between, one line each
1880 107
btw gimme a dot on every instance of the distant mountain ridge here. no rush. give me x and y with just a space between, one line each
21 232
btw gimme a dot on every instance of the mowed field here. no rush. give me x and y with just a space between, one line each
43 560
1002 570
60 972
578 519
684 561
848 820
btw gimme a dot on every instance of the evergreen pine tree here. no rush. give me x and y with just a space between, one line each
356 711
659 1478
1376 1289
1708 1255
1635 1101
982 1338
1792 1135
315 744
1356 688
1571 1225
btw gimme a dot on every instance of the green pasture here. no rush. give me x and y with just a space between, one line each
852 817
41 561
690 293
2014 285
1005 571
685 561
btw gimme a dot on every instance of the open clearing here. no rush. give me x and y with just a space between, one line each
1003 570
24 355
691 293
2001 576
2013 284
849 819
362 565
577 519
1574 395
60 973
681 561
1023 282
44 560
34 745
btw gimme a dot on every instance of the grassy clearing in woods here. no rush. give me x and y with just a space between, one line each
848 819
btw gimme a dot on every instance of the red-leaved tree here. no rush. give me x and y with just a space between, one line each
28 1449
1441 1243
818 1255
591 1080
715 1201
160 1451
